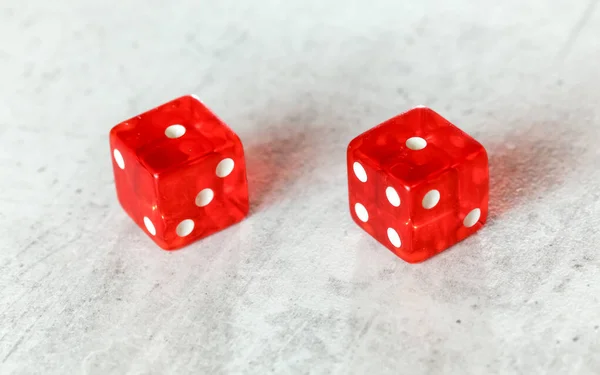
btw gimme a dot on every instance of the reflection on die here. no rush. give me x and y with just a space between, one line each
180 172
418 184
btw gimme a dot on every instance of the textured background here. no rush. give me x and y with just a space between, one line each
298 288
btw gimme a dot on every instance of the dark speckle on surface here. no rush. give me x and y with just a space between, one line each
78 191
576 338
458 321
41 169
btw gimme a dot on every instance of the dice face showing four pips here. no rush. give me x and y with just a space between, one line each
179 172
418 184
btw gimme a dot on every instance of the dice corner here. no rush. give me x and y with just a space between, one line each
354 143
412 258
194 97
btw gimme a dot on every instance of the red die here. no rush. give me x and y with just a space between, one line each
179 172
418 184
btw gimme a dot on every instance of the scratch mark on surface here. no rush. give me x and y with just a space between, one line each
366 328
37 238
353 347
19 341
25 293
294 334
27 330
18 319
50 253
14 347
287 343
576 30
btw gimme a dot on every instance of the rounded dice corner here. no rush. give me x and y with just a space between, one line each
190 100
483 152
354 144
113 138
406 254
413 258
112 133
237 140
351 154
423 256
115 131
195 97
165 246
418 108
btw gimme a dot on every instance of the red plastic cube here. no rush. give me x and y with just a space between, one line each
418 184
179 172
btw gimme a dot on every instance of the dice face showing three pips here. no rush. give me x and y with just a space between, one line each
179 172
418 184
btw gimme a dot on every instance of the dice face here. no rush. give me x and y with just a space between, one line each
418 184
179 172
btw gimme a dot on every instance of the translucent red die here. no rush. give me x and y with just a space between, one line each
418 184
179 172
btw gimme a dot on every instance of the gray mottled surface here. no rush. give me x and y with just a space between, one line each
297 288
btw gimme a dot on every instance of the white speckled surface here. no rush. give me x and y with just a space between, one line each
298 288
